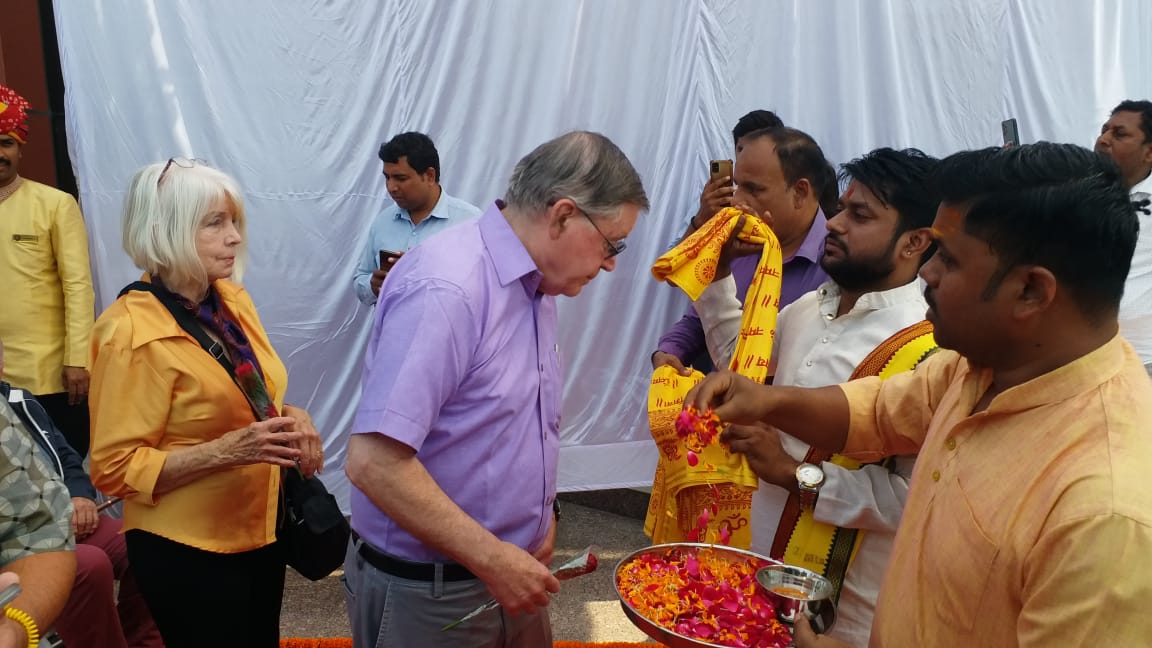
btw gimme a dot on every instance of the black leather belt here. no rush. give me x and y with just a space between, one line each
408 569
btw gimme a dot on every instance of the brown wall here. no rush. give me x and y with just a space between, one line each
22 69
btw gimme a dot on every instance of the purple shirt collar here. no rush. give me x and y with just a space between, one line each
813 246
509 256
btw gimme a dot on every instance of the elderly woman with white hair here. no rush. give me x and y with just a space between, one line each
176 436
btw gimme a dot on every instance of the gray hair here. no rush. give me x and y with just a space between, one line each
583 166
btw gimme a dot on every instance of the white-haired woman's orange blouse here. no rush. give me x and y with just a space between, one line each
155 389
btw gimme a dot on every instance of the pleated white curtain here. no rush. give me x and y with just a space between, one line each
293 98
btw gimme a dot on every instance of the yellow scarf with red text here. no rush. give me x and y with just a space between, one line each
720 479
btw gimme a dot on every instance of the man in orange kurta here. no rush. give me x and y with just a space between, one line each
1029 515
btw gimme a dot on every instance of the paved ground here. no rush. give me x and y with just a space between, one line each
586 609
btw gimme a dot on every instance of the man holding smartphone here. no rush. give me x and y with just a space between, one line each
782 172
420 209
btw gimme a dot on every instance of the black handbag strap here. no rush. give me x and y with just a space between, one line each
215 349
191 326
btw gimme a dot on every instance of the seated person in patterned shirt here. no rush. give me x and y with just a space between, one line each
92 616
36 540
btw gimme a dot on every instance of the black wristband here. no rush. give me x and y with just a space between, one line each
556 510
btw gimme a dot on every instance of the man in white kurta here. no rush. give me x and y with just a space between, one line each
1126 138
873 251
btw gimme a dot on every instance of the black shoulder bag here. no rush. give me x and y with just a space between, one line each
313 533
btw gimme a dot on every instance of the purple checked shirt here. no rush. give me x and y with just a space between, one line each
463 366
802 274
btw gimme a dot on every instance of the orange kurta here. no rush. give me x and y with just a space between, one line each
1028 524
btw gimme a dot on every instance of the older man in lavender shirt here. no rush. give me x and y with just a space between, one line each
782 172
454 448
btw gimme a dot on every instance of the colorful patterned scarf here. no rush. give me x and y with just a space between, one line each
219 323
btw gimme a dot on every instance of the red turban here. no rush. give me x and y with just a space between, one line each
13 115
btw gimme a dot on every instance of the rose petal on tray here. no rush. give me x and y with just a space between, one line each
703 593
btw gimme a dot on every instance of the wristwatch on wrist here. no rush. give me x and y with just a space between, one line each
810 478
556 510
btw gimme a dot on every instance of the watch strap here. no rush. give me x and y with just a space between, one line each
808 497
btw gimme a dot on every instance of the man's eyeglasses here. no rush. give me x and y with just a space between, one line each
183 163
614 247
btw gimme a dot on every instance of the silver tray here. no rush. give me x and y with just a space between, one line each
660 633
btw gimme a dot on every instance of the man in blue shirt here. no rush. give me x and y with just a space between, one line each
421 208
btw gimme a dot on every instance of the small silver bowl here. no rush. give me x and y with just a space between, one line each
794 591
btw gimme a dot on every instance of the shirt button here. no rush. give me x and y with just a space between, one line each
951 444
935 475
809 363
828 316
824 340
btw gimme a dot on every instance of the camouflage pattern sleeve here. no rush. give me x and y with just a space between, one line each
35 508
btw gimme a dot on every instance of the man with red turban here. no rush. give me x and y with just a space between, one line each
13 115
46 315
44 266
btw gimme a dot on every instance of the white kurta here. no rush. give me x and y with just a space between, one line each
1136 306
814 348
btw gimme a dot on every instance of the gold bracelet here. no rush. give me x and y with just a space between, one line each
29 625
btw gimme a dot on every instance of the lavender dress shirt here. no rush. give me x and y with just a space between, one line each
802 274
463 366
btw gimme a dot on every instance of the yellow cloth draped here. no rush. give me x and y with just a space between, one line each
680 492
824 548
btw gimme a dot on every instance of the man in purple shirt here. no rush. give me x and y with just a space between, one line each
782 172
455 443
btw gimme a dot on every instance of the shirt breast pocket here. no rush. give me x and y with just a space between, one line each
31 252
966 558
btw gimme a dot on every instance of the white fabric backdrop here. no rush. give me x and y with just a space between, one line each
293 97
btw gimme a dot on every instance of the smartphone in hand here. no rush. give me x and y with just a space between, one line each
720 169
1010 131
389 254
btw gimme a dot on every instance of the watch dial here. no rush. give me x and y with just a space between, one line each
809 474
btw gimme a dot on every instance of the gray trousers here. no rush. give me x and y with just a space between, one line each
390 612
